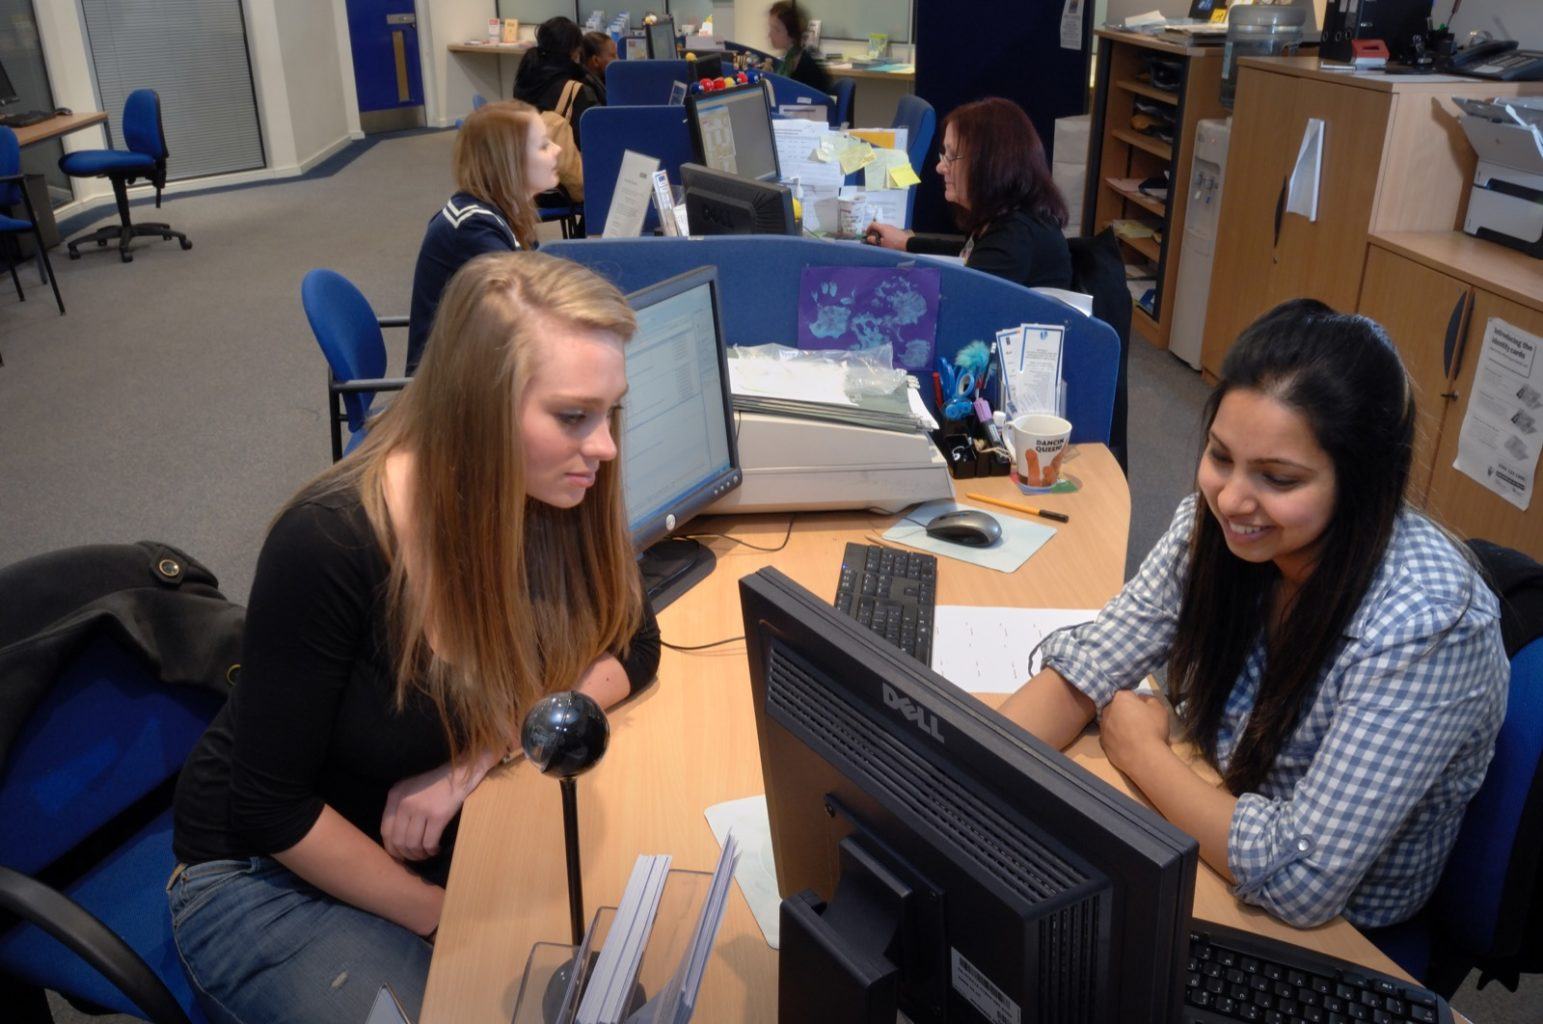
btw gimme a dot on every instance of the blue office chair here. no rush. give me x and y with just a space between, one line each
1481 908
478 101
841 114
12 194
87 852
349 334
921 122
145 158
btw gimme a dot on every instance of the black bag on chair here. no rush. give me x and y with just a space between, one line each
1098 270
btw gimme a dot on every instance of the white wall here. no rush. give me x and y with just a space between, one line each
450 79
1505 19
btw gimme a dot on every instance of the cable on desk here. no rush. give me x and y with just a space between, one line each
700 647
753 547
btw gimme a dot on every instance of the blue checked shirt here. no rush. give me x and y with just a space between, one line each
1364 801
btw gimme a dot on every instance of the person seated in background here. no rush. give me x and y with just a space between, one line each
598 50
502 160
786 25
410 605
1332 653
550 76
996 176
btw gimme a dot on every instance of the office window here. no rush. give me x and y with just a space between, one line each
855 19
194 54
21 53
692 12
534 12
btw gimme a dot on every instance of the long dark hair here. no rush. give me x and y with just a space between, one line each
1004 165
559 37
1341 373
793 19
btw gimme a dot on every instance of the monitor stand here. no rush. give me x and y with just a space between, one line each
672 567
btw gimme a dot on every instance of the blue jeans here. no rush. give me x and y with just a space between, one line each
260 945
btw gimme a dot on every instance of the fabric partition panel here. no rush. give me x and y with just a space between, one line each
609 132
194 54
635 83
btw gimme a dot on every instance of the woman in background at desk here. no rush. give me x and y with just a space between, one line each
786 25
1330 651
503 160
550 76
995 174
409 606
598 51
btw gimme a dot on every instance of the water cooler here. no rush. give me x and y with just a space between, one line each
1200 220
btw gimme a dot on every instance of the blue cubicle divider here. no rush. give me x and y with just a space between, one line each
639 83
759 278
609 132
786 90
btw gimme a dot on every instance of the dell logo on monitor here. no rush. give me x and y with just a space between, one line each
925 720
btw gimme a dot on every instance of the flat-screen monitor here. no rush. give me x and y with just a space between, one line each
7 90
726 204
706 65
935 858
732 131
661 39
678 451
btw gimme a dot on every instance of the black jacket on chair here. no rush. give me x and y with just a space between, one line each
540 80
150 597
1018 247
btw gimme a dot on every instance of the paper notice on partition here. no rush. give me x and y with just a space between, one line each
1302 195
634 191
1503 427
1071 25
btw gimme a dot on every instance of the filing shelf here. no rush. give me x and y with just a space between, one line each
1119 151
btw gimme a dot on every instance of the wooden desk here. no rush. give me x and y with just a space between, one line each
507 49
57 126
847 71
690 742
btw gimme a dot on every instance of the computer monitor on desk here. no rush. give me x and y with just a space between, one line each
726 204
678 451
935 859
661 39
732 132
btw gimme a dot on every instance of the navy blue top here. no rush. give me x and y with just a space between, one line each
466 227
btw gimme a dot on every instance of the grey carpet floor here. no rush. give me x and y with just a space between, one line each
183 397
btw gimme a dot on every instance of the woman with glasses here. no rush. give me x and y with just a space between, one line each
995 174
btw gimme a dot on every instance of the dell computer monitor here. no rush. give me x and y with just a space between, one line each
732 131
933 855
678 451
7 90
726 204
661 39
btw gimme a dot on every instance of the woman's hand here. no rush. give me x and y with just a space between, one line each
419 807
887 235
1132 726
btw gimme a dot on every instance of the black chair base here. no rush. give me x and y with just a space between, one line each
11 250
125 231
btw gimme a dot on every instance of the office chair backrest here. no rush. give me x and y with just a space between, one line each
10 163
640 83
921 123
846 90
348 333
478 101
1485 897
142 124
107 733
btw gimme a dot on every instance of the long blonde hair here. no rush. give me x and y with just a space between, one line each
519 597
489 161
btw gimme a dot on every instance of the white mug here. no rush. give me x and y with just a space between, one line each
1038 444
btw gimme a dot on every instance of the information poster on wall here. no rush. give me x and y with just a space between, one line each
1503 427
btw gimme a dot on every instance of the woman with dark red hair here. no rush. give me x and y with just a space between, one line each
995 174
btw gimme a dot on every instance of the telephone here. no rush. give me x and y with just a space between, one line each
1499 59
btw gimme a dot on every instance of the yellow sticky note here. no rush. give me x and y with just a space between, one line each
855 158
901 175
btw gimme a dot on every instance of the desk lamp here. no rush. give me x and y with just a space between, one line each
564 736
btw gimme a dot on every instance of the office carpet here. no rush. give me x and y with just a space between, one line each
183 397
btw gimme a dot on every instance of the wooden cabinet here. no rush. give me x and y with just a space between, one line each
1436 293
1119 152
1394 159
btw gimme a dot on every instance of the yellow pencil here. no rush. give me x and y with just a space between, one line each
1044 513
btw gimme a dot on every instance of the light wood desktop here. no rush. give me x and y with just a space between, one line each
56 126
689 742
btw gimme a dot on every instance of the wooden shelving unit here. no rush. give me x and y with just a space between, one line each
1118 151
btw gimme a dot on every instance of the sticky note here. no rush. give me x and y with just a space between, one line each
901 175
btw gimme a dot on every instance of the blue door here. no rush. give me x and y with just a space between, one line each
383 35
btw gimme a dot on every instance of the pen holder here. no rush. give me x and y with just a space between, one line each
556 977
956 440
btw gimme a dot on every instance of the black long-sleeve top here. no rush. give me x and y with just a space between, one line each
1020 247
312 721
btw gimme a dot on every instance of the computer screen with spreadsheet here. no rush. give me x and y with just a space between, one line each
677 447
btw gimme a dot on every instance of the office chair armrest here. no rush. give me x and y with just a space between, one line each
12 177
391 321
91 940
348 387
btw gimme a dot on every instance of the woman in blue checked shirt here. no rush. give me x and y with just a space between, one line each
1329 650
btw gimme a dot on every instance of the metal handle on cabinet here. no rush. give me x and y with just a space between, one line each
1454 331
1280 209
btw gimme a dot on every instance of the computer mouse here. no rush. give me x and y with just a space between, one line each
63 112
966 526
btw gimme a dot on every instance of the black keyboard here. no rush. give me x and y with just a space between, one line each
891 592
25 119
1234 975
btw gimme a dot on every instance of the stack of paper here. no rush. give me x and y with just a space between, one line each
616 969
816 389
677 1001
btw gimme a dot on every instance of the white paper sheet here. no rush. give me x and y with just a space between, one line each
756 871
805 380
1302 194
1071 25
1502 429
1031 367
634 189
888 205
992 650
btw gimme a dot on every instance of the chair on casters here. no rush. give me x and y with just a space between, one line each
145 158
349 334
845 91
12 193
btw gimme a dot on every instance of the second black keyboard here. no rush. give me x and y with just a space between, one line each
893 593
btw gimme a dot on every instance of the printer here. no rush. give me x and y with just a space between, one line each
1505 204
